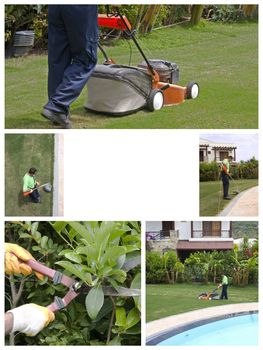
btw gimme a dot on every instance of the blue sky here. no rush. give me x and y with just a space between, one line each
247 144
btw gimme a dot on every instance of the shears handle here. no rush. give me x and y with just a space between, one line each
57 277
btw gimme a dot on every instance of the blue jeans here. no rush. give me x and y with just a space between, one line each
35 196
72 52
225 180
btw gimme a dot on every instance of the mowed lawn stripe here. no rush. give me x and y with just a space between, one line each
222 58
164 300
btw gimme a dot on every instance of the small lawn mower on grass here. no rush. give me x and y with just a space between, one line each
47 187
209 296
120 90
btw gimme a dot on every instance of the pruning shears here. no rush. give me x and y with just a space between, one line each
75 287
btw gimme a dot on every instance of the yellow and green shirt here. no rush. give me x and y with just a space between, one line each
28 182
224 280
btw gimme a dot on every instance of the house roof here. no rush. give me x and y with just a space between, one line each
186 245
204 142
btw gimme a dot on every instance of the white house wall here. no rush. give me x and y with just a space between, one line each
153 226
184 228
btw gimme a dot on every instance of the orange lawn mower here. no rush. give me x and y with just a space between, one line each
210 296
120 90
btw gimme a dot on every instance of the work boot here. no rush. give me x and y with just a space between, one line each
61 119
227 198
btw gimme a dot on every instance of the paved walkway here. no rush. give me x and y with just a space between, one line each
163 325
244 204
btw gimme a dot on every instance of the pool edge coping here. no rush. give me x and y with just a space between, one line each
151 339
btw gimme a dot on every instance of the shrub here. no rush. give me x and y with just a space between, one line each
155 269
209 171
96 253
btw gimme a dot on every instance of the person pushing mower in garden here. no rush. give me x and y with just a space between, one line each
28 318
224 285
72 56
225 175
30 185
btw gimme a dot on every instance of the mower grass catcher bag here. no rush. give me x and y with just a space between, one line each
118 90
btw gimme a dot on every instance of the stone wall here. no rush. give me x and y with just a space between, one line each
162 245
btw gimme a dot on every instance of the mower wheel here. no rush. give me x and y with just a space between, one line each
192 90
155 100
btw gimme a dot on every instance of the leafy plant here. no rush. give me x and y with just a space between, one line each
97 253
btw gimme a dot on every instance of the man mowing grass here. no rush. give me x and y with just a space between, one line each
225 174
30 186
72 56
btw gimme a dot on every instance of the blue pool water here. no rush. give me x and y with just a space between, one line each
239 330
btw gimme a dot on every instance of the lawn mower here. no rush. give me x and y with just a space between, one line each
120 90
209 296
46 187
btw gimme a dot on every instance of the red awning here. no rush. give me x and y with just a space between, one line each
186 245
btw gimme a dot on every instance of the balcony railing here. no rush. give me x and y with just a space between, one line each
157 235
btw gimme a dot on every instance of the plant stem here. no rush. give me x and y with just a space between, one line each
111 320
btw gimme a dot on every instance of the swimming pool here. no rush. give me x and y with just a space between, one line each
237 329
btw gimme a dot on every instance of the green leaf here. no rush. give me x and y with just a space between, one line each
37 236
72 233
120 317
105 310
36 248
50 243
115 341
58 226
131 239
136 284
43 242
133 330
44 281
90 252
94 301
82 231
76 270
131 248
121 261
64 251
34 227
118 275
25 235
73 257
132 260
133 318
113 253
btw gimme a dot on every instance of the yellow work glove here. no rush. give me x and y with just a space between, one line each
31 318
15 261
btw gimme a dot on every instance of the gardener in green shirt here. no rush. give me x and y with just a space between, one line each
30 186
225 174
224 285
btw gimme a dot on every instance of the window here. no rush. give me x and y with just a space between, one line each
212 228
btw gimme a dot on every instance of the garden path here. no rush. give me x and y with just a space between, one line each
244 204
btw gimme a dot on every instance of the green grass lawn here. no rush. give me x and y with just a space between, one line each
23 151
211 195
164 300
222 58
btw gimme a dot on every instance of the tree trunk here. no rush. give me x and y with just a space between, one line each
139 17
249 9
149 18
196 15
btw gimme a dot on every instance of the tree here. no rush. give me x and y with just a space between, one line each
149 18
196 14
